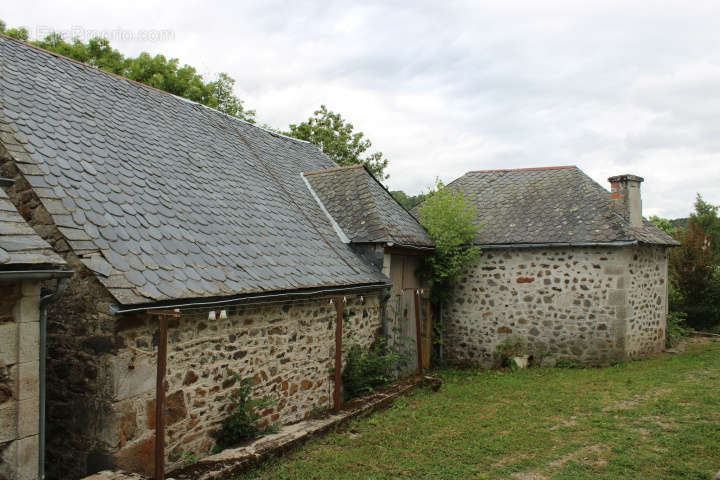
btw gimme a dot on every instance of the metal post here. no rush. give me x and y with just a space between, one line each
418 332
337 393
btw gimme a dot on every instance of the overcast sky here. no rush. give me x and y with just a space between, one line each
445 87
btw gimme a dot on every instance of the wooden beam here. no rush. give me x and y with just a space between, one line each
162 317
337 392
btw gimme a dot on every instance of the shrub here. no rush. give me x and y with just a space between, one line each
451 221
243 423
508 348
367 370
676 328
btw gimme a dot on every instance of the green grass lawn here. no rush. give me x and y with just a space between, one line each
651 419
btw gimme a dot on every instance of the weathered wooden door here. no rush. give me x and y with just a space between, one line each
401 312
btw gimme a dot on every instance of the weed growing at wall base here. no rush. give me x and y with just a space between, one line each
243 424
368 370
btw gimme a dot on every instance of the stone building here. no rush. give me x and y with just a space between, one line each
26 260
567 265
164 207
158 203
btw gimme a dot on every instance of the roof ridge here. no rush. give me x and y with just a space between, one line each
531 169
144 85
333 169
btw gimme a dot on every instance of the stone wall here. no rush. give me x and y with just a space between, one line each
19 386
647 300
574 302
287 348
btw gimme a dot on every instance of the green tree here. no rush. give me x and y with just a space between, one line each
663 224
407 201
451 221
20 33
223 99
156 71
695 278
706 217
96 52
336 138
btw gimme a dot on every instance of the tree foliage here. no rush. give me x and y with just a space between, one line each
695 276
156 71
451 221
408 201
706 217
20 33
663 224
338 140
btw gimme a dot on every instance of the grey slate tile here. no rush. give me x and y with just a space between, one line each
19 244
191 188
364 209
547 205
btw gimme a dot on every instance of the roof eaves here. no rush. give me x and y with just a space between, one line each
617 243
238 299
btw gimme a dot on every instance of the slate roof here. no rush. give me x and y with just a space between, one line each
20 246
165 198
364 209
548 205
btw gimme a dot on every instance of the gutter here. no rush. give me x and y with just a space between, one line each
411 247
119 309
623 243
13 275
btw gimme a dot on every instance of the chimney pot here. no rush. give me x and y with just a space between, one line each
626 198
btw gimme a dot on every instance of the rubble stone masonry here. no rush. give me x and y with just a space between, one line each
287 348
590 304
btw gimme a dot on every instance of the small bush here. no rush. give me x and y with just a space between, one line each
365 371
242 424
566 362
508 348
677 329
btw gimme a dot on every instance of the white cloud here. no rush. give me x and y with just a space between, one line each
446 87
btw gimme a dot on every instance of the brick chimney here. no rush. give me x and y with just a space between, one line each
626 199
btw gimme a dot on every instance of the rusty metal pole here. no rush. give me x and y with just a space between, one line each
428 329
337 393
160 398
418 332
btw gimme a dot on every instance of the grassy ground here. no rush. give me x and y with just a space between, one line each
654 419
